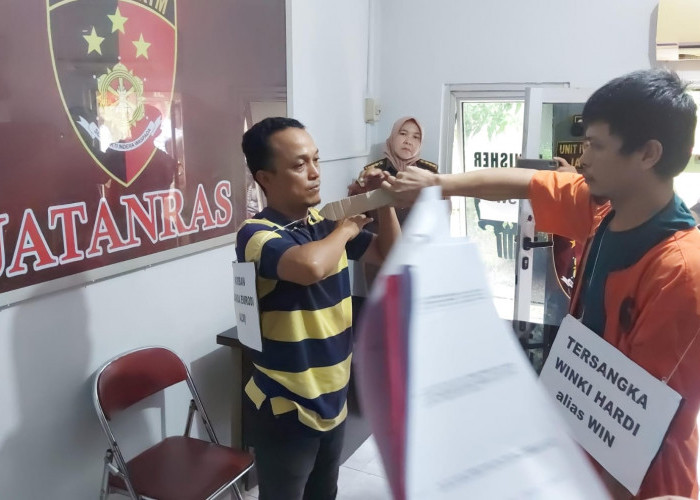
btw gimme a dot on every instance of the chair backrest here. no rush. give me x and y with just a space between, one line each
135 375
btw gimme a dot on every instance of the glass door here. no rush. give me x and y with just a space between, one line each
486 123
545 264
492 132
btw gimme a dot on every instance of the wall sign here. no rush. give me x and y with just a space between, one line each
571 151
497 211
120 129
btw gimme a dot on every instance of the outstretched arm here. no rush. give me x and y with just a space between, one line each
368 180
487 184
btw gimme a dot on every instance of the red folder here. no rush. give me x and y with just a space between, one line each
381 360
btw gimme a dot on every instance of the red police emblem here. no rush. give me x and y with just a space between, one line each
114 62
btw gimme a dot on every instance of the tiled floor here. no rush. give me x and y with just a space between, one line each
361 476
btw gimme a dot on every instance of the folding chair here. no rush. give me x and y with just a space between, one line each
178 467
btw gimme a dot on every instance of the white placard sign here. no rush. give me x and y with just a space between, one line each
245 302
617 411
504 211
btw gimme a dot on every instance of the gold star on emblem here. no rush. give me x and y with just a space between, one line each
94 42
118 21
141 47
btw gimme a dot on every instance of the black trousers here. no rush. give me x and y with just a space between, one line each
294 465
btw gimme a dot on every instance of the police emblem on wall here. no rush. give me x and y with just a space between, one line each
114 62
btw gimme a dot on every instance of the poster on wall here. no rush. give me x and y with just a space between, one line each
120 130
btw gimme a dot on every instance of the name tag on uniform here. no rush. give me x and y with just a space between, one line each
245 302
616 410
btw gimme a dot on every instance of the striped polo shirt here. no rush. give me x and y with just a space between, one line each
307 339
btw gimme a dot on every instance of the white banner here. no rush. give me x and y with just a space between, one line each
617 411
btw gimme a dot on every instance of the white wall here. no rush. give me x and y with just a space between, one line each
51 445
427 44
328 77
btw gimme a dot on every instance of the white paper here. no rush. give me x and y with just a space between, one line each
504 211
427 223
479 425
245 302
616 410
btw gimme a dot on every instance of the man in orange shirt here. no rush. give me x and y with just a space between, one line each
640 285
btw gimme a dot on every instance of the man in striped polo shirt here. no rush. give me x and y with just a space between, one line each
300 379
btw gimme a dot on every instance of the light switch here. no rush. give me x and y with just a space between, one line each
372 110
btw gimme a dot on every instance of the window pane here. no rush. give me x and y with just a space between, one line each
687 184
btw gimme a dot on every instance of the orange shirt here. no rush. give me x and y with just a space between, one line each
652 315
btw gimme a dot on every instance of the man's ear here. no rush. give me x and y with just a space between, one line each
263 178
651 153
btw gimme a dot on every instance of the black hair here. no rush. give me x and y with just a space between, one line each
646 105
256 141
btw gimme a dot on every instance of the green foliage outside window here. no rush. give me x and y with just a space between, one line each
494 117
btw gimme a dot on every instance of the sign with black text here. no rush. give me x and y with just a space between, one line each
503 210
616 410
245 302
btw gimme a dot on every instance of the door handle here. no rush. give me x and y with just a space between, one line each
528 243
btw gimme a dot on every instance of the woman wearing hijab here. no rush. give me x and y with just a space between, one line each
401 149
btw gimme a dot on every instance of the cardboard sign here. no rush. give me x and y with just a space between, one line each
245 302
358 204
616 410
